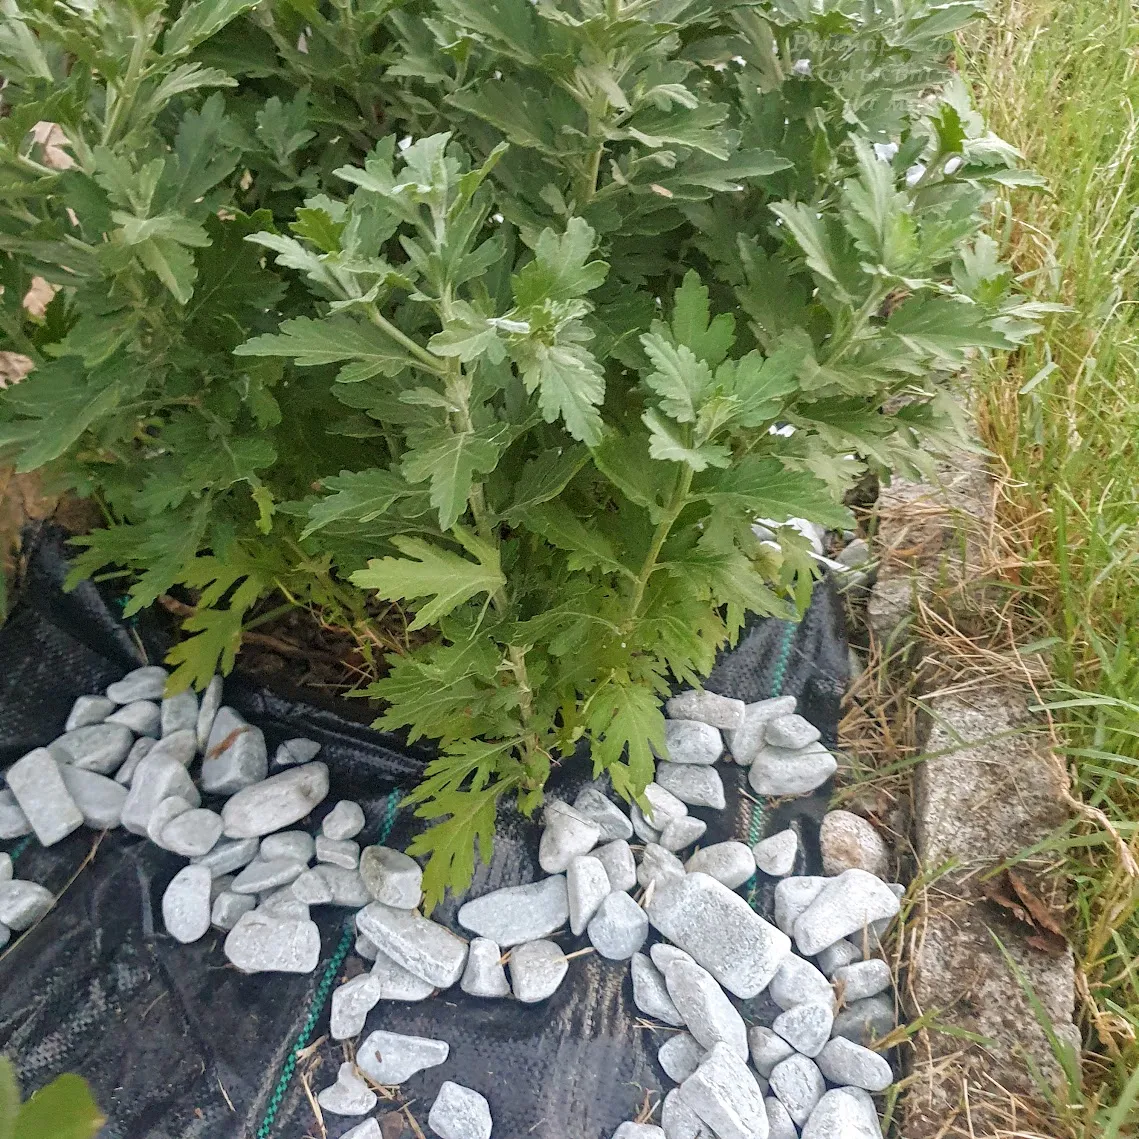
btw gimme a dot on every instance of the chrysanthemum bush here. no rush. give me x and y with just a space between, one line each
501 310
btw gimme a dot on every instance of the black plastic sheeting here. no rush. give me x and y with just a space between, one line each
177 1043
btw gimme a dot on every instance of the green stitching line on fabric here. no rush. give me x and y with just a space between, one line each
320 997
20 847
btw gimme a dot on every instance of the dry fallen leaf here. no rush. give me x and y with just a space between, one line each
1042 914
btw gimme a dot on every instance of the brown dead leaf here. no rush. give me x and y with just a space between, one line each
997 892
1048 943
391 1125
1042 913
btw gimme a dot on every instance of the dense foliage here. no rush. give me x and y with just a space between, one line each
516 314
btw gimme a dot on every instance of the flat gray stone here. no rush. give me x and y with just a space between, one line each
228 856
793 896
146 683
567 834
775 856
459 1113
537 968
264 874
396 983
351 1003
282 903
612 821
767 1049
848 841
276 802
392 877
838 1115
587 886
692 743
369 1129
170 808
5 867
297 845
681 833
140 749
663 955
338 851
349 1095
425 948
780 1125
13 822
721 932
798 1085
22 904
867 1020
658 865
228 908
299 750
207 711
797 982
98 747
723 1093
88 710
180 745
775 771
186 904
390 1058
192 834
834 957
312 888
679 1121
844 906
619 928
344 821
179 713
663 806
744 742
632 1130
691 784
641 826
792 732
707 707
617 858
863 979
485 975
843 1062
346 886
227 724
680 1056
99 799
143 717
650 993
156 778
731 863
515 914
261 943
806 1027
244 763
365 948
704 1008
42 795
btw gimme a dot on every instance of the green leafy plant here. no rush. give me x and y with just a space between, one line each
516 315
64 1109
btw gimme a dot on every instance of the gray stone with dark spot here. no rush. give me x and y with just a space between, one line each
619 927
349 1095
775 855
485 975
867 1020
767 1049
276 802
391 877
691 784
179 713
390 1058
88 710
777 771
650 993
707 707
97 747
186 904
798 1084
844 906
459 1113
537 968
792 732
146 683
731 863
243 764
22 904
595 805
38 786
228 856
692 743
724 1093
843 1062
263 943
862 979
430 951
143 717
806 1027
744 742
193 833
567 834
207 710
704 1007
515 914
617 858
680 1056
797 982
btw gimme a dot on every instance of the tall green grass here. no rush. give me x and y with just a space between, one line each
1060 80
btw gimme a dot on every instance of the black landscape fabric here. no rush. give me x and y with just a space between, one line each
176 1043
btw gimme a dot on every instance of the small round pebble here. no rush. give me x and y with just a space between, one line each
844 1062
192 833
537 968
146 683
775 856
228 908
459 1113
186 904
179 712
705 1008
767 1049
345 820
264 874
369 1129
696 786
617 858
798 1084
349 1095
680 1056
806 1027
729 862
166 811
390 1058
863 979
691 742
485 975
640 825
848 842
680 833
619 927
88 710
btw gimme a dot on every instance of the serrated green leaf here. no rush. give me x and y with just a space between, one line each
201 20
764 488
310 343
587 546
64 1109
451 462
561 269
625 725
679 378
570 385
710 340
624 460
544 478
667 441
360 496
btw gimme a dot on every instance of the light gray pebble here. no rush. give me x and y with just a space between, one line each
724 1093
179 713
193 833
5 866
429 950
619 928
351 1003
22 904
262 943
848 841
641 826
663 806
338 851
312 888
297 845
392 877
707 707
650 994
680 833
767 1049
537 968
834 957
612 821
855 553
228 856
679 1121
349 1095
838 1115
744 742
806 1027
792 732
485 975
704 1007
617 858
843 1062
680 1056
146 683
459 1113
390 1058
299 750
276 802
13 822
780 1125
346 886
775 855
515 914
869 1110
364 947
99 799
244 763
777 771
369 1129
282 903
720 930
186 904
691 743
845 905
693 785
793 896
863 979
587 885
867 1020
228 907
224 729
798 981
140 749
663 955
798 1084
143 717
658 865
88 710
731 863
264 874
632 1130
207 710
396 983
567 834
156 778
180 745
344 821
97 747
42 795
5 935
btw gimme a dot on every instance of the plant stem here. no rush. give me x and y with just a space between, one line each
430 361
676 504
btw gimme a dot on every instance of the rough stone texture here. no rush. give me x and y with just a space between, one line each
98 747
767 1048
835 956
228 856
5 867
596 805
775 771
792 731
351 1003
22 904
99 799
193 833
349 1095
704 1007
707 707
337 851
243 763
516 914
863 979
617 858
839 1116
186 904
228 908
146 683
639 1131
848 841
389 1058
395 983
391 877
13 822
793 896
806 1027
297 845
423 947
264 874
692 743
680 833
369 1129
180 745
845 905
88 710
299 750
141 748
156 778
843 1062
619 927
179 712
485 975
663 806
798 1084
537 968
38 786
641 826
867 1020
680 1056
587 884
169 808
780 1125
663 955
797 982
729 862
262 943
650 993
344 821
346 886
679 1121
692 784
724 1094
745 742
775 855
658 865
277 802
459 1113
567 834
143 717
